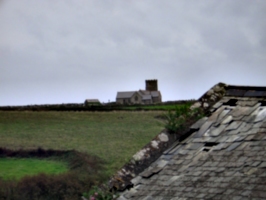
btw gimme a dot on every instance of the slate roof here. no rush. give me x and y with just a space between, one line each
144 92
223 158
92 100
122 95
151 93
146 95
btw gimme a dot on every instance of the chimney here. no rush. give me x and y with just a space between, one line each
151 85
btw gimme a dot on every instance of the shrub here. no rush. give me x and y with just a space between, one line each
99 193
176 120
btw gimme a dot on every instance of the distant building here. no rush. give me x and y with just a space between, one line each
148 96
89 102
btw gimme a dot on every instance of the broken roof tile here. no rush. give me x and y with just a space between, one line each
203 129
216 131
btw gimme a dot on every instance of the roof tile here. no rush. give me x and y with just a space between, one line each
203 129
216 131
261 115
199 123
233 126
216 114
222 116
264 124
249 119
227 119
262 165
232 138
245 127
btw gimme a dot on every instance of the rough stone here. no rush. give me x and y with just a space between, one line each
196 105
154 144
205 105
163 137
140 155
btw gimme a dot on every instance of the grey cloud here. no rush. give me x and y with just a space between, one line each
95 48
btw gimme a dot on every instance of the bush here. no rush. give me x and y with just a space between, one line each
99 193
176 120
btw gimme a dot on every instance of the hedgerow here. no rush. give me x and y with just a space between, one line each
85 171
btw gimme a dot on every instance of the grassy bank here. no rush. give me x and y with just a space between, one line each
16 168
83 171
113 136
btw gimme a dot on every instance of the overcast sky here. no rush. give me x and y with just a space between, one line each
66 51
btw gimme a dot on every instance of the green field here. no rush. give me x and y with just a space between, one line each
16 168
113 136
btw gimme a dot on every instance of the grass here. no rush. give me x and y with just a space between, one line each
113 136
16 168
